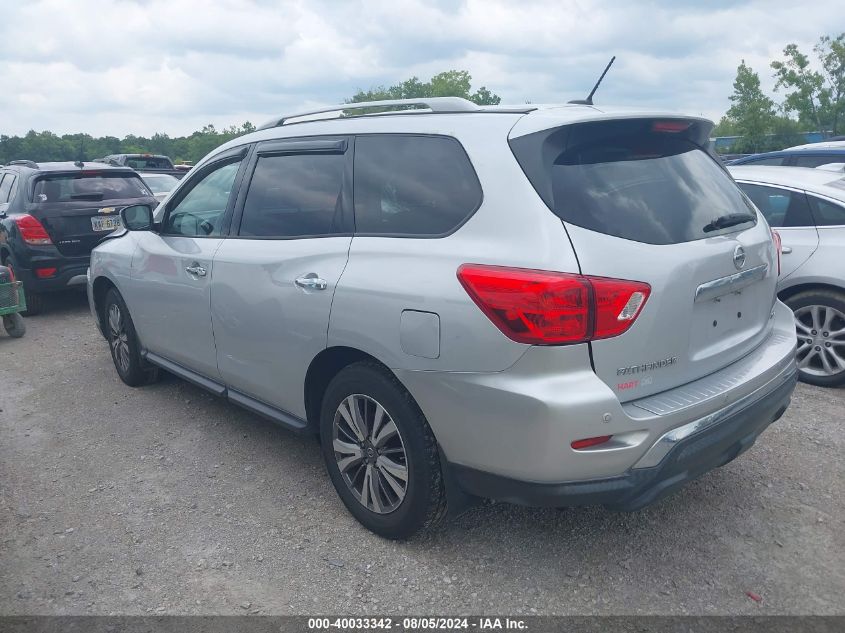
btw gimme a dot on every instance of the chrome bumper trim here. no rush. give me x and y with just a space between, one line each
668 440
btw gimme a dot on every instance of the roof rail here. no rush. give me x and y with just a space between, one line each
440 105
26 163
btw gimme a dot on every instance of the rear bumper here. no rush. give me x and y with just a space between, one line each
70 272
519 423
677 457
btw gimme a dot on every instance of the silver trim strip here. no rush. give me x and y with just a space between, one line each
668 440
731 283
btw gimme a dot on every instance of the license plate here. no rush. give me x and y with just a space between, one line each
105 224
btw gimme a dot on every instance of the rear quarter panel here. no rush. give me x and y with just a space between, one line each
386 275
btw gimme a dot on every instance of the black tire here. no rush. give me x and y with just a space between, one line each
34 301
800 305
15 325
123 342
424 502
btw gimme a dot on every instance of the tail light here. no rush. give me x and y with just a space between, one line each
550 308
32 230
45 273
778 246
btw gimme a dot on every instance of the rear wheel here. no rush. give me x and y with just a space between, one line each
15 325
380 452
820 325
34 301
123 341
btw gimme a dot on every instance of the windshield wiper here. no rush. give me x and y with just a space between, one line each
731 219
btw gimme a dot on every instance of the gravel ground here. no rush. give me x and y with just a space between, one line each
166 500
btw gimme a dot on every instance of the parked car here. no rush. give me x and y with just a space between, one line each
160 184
144 162
807 207
52 215
833 143
542 305
794 157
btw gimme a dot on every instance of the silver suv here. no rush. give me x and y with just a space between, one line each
557 306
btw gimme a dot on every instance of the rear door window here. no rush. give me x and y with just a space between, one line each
810 160
827 213
295 195
780 207
643 181
93 186
408 185
776 161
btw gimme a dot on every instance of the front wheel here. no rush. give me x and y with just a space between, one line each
123 341
820 325
15 325
380 452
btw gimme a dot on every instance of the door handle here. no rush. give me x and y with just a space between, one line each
311 282
196 269
786 250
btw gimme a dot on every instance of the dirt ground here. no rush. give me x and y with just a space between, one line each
164 499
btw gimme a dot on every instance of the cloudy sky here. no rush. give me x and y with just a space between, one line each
141 66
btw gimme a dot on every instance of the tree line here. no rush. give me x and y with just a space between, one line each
47 146
813 91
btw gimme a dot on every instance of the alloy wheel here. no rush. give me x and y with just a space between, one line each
118 338
370 453
821 340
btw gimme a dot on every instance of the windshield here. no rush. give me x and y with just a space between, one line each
89 186
160 183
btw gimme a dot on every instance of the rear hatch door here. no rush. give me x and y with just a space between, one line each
78 208
641 199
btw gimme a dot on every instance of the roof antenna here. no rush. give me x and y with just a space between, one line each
589 99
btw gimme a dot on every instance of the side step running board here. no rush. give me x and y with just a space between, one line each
282 418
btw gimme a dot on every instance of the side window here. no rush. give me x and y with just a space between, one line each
6 181
827 213
778 160
780 207
293 195
813 161
200 212
412 185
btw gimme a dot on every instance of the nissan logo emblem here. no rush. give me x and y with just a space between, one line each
739 257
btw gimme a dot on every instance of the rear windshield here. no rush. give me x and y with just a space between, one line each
148 162
637 181
94 187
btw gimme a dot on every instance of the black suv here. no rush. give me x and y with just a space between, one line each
53 214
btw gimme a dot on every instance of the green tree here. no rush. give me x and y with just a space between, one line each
451 83
817 97
47 146
752 113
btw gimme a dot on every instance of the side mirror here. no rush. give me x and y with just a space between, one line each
3 209
138 217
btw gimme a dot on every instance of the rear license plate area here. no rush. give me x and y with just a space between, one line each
105 224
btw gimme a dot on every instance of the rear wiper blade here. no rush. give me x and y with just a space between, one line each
731 219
